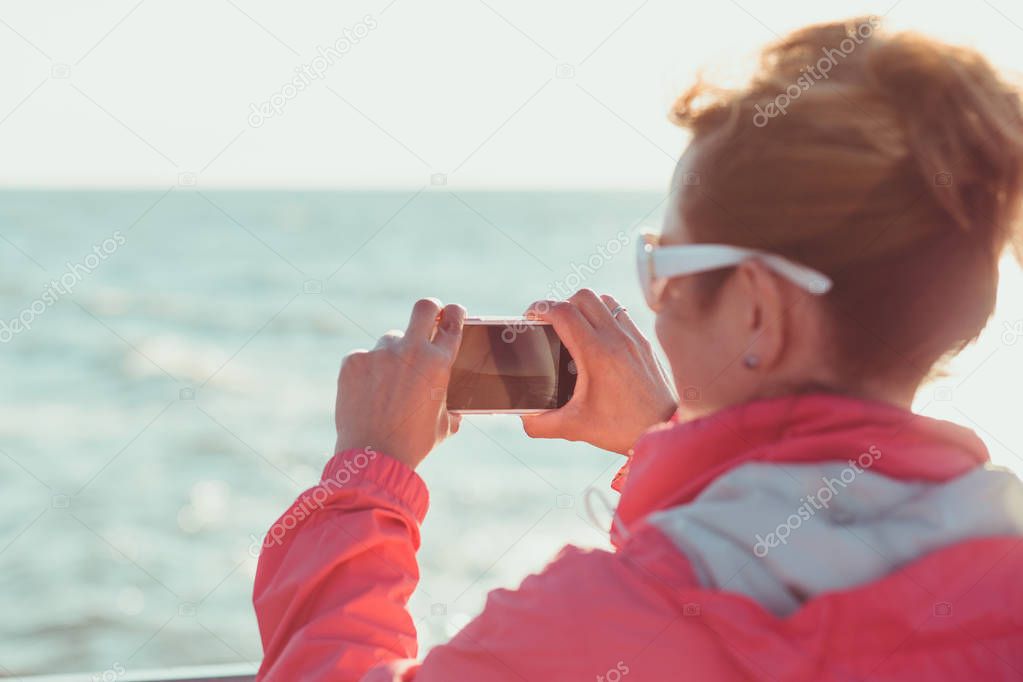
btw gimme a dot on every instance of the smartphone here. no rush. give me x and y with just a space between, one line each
510 365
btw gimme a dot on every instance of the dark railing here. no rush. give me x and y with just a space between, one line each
214 673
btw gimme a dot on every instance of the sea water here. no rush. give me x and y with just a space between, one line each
168 364
164 402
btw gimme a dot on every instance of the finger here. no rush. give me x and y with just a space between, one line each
390 338
592 308
423 320
623 318
454 422
669 381
350 362
449 331
626 322
537 309
568 322
543 425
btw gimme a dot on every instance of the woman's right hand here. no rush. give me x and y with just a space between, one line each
621 390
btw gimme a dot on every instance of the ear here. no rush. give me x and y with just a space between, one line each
765 315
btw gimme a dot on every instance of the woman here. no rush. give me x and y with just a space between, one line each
792 520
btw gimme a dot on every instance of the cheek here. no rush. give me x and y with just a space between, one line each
668 329
684 340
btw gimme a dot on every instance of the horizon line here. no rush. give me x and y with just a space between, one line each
524 189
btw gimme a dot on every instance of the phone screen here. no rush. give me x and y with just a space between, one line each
509 366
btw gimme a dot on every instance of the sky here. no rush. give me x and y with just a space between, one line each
466 93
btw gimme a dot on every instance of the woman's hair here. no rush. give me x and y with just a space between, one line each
891 162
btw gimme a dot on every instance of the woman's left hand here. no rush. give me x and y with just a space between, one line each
392 398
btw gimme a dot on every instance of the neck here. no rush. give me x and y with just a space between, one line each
872 391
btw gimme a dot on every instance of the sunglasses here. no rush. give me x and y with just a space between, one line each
658 264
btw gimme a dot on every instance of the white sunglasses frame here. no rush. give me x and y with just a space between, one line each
656 265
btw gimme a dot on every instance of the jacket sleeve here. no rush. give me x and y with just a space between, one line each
336 571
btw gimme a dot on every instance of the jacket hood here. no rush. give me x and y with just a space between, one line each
673 463
784 534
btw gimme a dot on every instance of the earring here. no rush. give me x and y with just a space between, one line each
750 361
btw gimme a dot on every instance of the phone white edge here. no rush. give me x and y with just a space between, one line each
499 319
495 320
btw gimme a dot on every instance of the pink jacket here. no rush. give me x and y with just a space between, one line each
706 583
